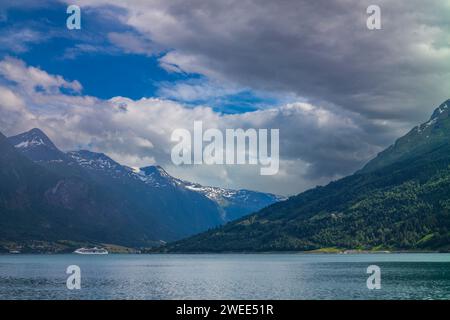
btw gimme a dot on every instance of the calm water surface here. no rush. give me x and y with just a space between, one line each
226 276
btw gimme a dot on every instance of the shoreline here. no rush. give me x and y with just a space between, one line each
68 247
240 253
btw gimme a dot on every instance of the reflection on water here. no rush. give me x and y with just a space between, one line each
227 276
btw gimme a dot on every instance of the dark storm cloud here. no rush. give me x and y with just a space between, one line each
364 87
321 50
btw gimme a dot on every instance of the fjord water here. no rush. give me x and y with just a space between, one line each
226 276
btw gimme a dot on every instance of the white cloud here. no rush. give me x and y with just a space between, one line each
32 79
132 43
194 90
18 40
10 101
316 144
320 50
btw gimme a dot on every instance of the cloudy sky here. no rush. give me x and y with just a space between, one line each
137 70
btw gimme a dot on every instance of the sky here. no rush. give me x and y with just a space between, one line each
136 70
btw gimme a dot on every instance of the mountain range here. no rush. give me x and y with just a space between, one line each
68 198
400 200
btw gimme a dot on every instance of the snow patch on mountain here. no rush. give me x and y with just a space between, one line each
30 143
92 160
37 146
155 176
99 162
233 203
426 125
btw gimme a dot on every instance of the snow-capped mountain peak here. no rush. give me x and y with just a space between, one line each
98 162
32 139
155 170
441 111
233 203
155 176
36 145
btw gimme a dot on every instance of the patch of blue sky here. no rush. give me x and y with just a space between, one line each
239 102
106 70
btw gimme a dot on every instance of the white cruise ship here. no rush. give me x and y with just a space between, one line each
94 250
